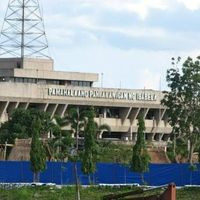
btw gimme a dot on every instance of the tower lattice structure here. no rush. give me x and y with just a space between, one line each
23 33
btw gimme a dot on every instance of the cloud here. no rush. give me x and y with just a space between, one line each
130 41
141 8
191 4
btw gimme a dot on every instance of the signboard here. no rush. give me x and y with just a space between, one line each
102 94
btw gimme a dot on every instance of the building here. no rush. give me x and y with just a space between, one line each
35 84
27 80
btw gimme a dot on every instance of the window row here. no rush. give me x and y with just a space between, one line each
43 81
81 83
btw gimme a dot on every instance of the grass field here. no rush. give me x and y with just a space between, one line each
68 193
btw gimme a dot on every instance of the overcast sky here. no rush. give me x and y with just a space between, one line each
130 41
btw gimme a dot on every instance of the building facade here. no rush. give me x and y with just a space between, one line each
33 83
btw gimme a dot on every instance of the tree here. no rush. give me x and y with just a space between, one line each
76 119
37 153
181 151
101 128
183 102
61 142
90 152
19 125
140 158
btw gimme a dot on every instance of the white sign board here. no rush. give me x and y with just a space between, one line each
102 94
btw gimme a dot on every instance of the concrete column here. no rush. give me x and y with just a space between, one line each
133 114
134 135
17 105
11 107
159 115
51 109
104 113
157 119
64 110
146 110
3 113
26 106
166 137
23 105
60 109
160 136
46 106
3 107
42 107
100 135
124 113
54 110
150 136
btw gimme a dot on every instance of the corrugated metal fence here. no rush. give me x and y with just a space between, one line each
63 173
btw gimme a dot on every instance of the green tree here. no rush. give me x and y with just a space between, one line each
90 152
19 125
181 150
37 152
76 118
183 103
59 145
101 128
140 158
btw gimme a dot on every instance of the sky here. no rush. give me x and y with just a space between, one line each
129 43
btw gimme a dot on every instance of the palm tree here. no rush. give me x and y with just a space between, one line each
76 119
101 128
60 143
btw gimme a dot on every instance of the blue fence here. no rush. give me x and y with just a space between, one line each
63 173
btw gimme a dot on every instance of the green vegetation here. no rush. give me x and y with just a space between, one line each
92 193
19 125
114 153
59 145
37 152
76 119
140 157
181 151
183 103
90 151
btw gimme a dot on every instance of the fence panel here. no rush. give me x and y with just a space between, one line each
107 173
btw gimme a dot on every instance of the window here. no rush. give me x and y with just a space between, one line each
80 83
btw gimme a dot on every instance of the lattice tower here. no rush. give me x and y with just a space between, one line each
23 33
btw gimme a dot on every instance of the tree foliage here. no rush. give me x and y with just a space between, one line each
37 152
76 118
183 102
181 151
19 125
59 145
90 152
140 158
81 120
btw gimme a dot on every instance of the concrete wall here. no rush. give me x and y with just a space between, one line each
25 95
28 63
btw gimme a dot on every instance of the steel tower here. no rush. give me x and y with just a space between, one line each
23 32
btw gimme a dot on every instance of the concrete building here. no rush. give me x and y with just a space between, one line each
33 83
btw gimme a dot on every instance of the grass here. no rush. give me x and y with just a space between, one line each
92 193
114 153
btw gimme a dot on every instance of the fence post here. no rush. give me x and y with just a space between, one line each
170 193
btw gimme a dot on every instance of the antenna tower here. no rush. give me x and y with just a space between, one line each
23 33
